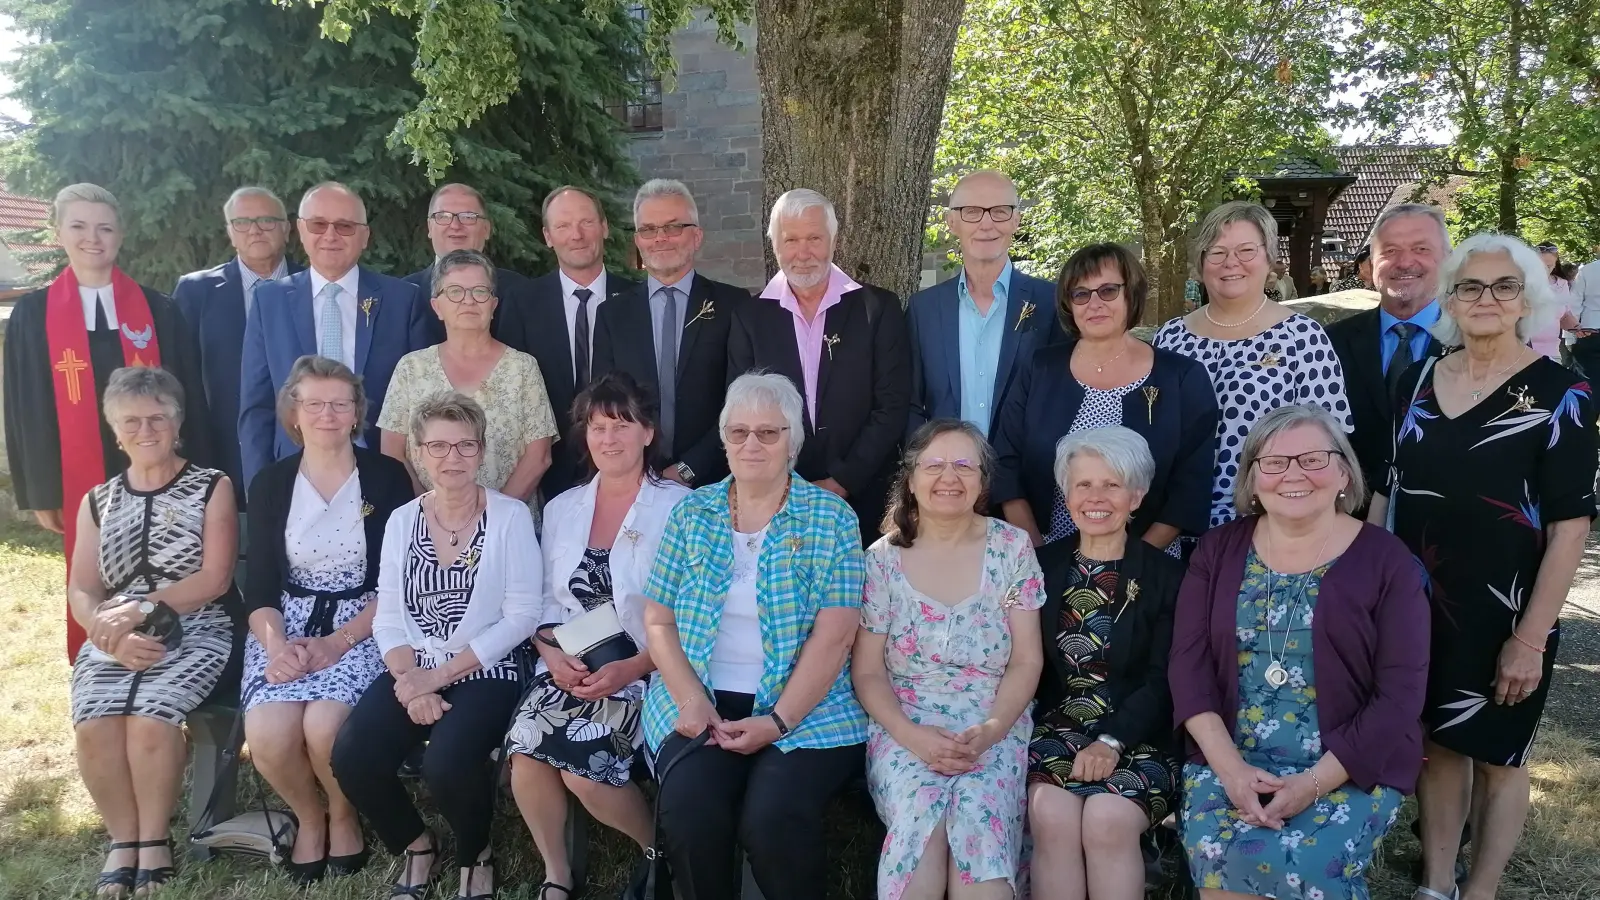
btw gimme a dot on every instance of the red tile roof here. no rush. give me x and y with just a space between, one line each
20 217
1380 171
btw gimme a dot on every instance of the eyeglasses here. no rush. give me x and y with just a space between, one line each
316 407
265 223
1309 461
1503 291
1548 248
441 449
1219 255
133 424
736 435
975 213
445 218
455 293
342 226
938 466
671 230
1106 292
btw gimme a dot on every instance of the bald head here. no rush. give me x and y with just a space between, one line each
983 216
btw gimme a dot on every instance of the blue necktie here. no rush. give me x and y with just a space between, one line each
331 342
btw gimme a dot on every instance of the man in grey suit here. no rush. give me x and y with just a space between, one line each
970 333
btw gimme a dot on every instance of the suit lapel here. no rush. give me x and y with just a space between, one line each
949 312
641 325
230 293
555 307
833 338
369 309
1123 606
305 315
1018 296
693 322
1368 361
789 365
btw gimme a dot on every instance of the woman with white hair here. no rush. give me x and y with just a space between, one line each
1498 441
1102 764
753 605
62 345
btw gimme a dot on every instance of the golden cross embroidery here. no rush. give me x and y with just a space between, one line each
1150 394
366 307
71 369
1027 310
831 339
1523 403
706 311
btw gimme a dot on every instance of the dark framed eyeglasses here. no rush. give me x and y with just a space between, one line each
976 213
440 449
1219 255
265 223
1309 461
342 226
736 435
315 407
1504 290
455 293
671 230
1108 293
466 218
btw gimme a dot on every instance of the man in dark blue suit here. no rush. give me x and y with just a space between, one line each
215 302
969 334
459 220
335 309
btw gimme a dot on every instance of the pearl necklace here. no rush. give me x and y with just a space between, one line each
1245 321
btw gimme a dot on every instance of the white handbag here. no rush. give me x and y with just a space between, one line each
596 637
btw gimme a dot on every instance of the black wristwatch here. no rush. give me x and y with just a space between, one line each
783 727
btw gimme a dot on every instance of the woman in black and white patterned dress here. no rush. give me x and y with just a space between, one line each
458 593
316 526
1261 355
579 730
155 543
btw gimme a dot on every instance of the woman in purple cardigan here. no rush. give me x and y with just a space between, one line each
1298 669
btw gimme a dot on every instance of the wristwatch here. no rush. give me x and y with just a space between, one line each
1111 742
783 727
684 472
146 607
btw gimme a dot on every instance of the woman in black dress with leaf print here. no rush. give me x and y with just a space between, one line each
1492 488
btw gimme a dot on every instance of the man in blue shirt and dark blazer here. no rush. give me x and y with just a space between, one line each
459 220
969 334
335 309
216 301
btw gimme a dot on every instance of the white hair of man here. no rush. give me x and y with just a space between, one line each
656 188
1123 449
758 389
84 192
305 199
252 191
1544 307
1410 209
794 204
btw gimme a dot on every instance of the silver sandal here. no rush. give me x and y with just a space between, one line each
1431 894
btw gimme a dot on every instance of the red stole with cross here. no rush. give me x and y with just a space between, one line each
83 461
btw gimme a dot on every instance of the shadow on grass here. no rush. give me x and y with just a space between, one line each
27 538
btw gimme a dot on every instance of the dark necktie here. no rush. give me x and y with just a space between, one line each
667 364
101 323
580 339
1400 357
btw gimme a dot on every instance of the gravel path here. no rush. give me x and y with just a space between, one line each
1575 696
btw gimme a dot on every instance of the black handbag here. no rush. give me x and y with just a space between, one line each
658 880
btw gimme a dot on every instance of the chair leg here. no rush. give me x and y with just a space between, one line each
208 733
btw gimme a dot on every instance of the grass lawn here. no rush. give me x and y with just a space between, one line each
51 841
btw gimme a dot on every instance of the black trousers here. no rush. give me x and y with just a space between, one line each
771 803
378 737
1586 356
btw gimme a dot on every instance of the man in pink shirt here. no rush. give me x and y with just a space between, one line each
844 346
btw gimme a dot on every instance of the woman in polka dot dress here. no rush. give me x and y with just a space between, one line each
1260 355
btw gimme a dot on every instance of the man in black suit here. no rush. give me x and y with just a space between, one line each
1409 244
215 303
458 219
556 323
671 333
843 344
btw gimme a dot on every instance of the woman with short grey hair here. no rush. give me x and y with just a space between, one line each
753 603
505 384
1260 354
1102 765
1498 441
157 551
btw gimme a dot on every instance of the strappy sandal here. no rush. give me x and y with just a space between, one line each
473 870
149 881
572 893
122 878
1431 894
417 891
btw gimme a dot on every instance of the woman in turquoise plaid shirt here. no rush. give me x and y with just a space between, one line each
754 602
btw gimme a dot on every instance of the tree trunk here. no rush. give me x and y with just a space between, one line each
852 96
1510 152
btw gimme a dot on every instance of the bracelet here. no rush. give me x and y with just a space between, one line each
349 639
1316 783
1534 647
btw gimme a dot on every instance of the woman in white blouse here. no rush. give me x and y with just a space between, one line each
600 540
458 591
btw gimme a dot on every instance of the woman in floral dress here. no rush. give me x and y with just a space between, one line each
946 664
1492 488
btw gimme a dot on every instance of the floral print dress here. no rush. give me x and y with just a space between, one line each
1323 852
945 664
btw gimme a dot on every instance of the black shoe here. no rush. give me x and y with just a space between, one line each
121 878
417 891
473 870
567 893
345 866
149 881
308 872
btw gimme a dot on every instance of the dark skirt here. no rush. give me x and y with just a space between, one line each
593 738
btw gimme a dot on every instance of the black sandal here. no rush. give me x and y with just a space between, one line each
417 891
473 870
122 877
147 881
571 892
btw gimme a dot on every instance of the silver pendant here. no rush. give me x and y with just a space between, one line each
1277 675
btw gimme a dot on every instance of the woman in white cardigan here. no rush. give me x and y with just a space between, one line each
458 592
578 729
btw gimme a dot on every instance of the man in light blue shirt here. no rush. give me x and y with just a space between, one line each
968 334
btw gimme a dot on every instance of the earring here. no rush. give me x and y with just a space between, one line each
1341 494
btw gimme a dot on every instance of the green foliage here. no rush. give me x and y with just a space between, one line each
171 104
1123 121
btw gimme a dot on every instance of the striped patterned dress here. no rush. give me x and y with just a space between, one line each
437 596
150 540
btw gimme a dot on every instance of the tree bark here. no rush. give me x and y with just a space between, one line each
852 96
1511 121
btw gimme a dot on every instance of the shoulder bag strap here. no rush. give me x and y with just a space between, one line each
657 882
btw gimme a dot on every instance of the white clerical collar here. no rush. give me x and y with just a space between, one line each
102 296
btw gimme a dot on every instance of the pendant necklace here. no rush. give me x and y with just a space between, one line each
454 532
1213 319
1277 674
751 541
1101 367
1488 378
